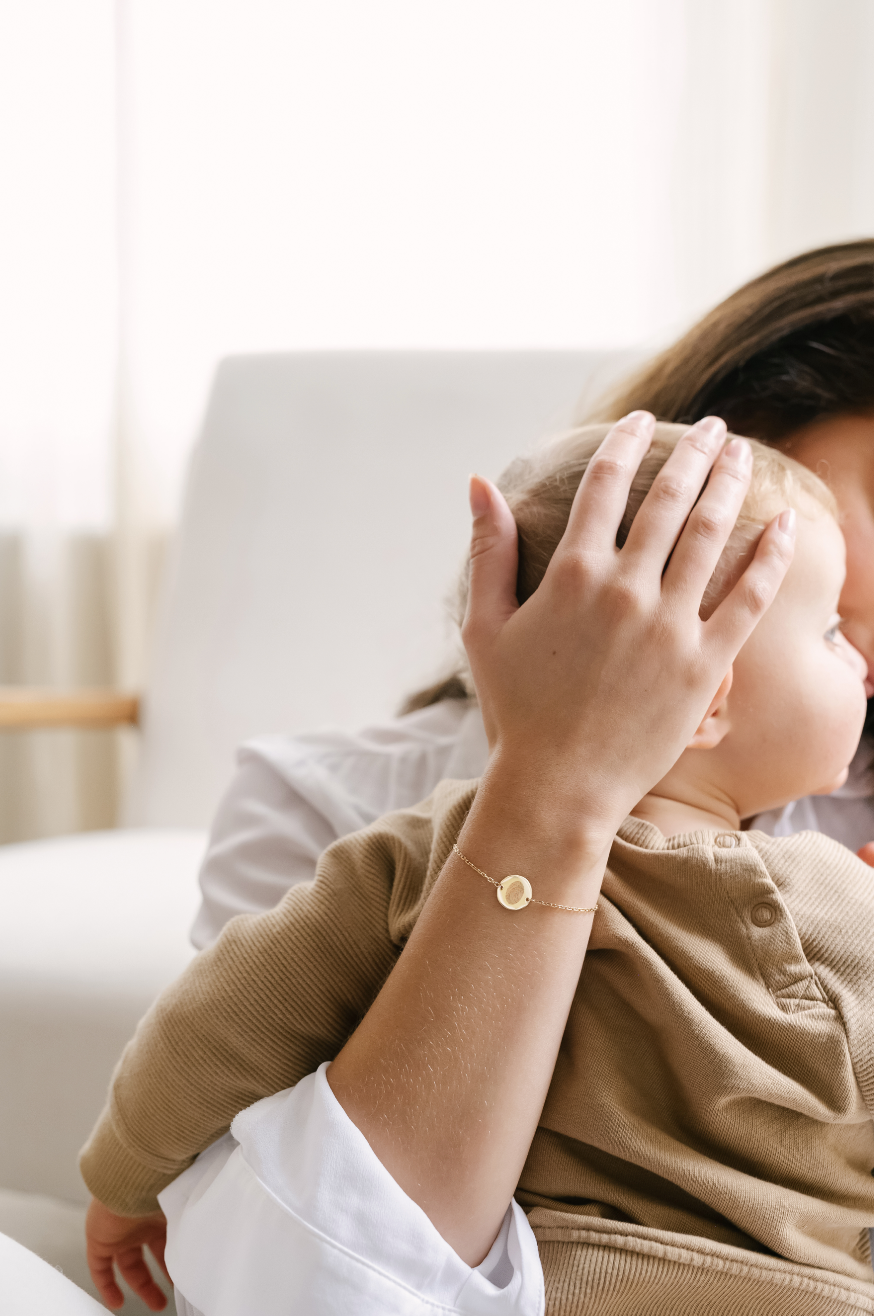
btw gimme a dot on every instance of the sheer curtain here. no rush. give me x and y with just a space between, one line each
185 179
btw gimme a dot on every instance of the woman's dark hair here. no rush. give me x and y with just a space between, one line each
793 346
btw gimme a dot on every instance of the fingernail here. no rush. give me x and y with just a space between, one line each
786 522
712 425
740 451
478 493
639 418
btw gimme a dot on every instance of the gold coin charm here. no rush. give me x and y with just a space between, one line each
514 892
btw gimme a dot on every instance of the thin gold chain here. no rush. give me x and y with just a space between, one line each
548 904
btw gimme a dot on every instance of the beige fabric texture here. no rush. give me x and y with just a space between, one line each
707 1138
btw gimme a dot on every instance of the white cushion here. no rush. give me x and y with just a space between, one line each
31 1287
93 927
55 1231
325 516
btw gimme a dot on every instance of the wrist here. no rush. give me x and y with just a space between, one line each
519 826
573 817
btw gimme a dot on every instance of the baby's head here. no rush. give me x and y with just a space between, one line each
791 711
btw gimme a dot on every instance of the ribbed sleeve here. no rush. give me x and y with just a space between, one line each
277 995
707 1137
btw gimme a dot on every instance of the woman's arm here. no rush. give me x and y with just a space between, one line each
590 691
447 1074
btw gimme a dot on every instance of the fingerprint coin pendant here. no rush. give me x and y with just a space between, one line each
514 892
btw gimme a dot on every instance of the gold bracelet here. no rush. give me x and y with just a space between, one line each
514 892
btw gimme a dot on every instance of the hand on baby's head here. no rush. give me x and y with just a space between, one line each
789 715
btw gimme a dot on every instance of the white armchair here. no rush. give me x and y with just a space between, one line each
323 520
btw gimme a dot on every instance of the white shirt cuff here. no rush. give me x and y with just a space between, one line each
293 1211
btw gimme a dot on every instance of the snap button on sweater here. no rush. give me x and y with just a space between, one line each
727 840
763 915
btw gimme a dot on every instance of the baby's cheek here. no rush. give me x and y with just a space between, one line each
843 720
833 785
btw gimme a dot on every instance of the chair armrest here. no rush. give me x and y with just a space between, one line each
25 707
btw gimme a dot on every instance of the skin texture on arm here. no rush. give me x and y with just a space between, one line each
447 1074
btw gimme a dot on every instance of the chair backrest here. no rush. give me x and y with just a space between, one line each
323 521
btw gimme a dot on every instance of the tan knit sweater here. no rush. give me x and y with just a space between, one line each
706 1145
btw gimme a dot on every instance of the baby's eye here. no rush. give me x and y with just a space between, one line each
833 633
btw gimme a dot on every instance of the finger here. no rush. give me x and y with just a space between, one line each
711 521
733 621
494 560
104 1279
600 501
675 490
867 854
132 1267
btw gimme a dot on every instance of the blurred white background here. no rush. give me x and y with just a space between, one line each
184 179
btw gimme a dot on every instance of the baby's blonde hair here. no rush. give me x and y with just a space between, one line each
540 488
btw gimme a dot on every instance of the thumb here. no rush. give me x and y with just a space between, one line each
494 559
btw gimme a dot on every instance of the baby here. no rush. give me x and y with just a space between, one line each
707 1138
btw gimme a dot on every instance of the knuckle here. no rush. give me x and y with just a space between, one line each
625 430
625 593
759 595
470 629
782 551
570 571
699 441
733 471
480 544
635 424
606 466
708 523
671 489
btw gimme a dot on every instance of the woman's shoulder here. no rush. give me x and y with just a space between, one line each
293 796
384 767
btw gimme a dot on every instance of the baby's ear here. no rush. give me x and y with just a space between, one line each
715 723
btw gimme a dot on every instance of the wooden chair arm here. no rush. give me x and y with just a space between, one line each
25 707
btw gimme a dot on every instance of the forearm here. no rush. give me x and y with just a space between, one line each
448 1072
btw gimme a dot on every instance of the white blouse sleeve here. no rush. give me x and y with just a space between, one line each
266 838
293 796
293 1212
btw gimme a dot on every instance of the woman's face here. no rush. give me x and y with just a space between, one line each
841 450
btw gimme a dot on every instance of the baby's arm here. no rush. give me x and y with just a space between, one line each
276 996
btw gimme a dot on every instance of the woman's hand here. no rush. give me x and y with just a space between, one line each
590 692
117 1240
593 688
867 854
